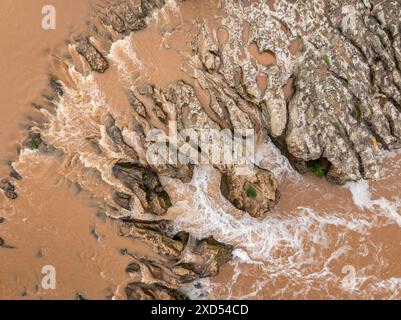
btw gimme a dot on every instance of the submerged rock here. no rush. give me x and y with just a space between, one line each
8 189
122 199
15 174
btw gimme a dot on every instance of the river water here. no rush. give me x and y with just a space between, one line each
321 241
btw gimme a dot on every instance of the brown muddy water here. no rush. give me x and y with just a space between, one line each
321 241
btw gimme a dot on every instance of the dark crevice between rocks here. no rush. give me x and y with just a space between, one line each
280 142
184 259
145 184
298 164
34 141
319 167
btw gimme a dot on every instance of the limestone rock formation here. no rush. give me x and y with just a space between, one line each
185 258
345 105
92 55
255 193
146 186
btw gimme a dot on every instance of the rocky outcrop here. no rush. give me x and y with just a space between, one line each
146 186
124 16
129 16
345 105
155 234
95 59
185 258
255 193
34 141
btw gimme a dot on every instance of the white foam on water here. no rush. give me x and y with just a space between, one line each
172 6
268 156
362 197
297 245
259 238
123 55
163 15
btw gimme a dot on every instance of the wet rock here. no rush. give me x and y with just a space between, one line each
122 199
39 253
155 234
146 186
154 291
8 189
189 110
56 86
14 174
133 267
94 233
115 134
194 259
344 110
255 193
95 59
80 296
113 131
138 107
4 245
201 259
146 90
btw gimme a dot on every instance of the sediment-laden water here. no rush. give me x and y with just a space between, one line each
320 241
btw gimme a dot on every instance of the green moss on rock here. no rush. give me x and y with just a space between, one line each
327 60
251 191
318 167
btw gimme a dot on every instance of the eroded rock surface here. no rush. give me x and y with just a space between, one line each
345 105
8 189
321 79
255 193
95 59
185 258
